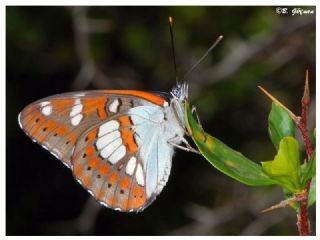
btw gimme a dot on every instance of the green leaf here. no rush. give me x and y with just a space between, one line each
280 124
285 168
312 192
309 170
223 158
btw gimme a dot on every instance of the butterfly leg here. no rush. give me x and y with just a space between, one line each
187 148
194 110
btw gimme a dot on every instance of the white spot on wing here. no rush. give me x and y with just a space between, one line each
47 110
108 127
117 155
104 204
43 104
139 175
75 113
113 107
92 194
45 147
106 139
131 165
55 154
67 165
76 109
165 104
81 94
77 101
19 120
106 151
76 120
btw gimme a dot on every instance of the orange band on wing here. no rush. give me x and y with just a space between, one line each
92 135
145 95
127 134
86 181
99 106
125 183
90 150
78 171
110 198
47 126
94 162
137 197
103 170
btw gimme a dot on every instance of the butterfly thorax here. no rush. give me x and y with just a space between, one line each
177 102
174 122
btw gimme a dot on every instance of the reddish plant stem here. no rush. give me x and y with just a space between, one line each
303 216
306 139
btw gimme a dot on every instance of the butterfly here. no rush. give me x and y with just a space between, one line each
119 144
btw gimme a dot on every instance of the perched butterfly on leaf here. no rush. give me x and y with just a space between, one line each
118 143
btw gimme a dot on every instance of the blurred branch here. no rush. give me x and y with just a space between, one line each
206 219
210 221
83 224
242 51
82 28
89 69
264 222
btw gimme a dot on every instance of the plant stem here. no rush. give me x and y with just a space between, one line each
303 216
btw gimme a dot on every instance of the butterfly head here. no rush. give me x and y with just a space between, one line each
180 92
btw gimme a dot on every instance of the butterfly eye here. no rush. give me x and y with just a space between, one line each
176 92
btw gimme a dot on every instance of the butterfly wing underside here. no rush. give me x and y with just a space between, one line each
103 141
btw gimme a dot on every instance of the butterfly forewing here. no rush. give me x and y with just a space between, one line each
56 122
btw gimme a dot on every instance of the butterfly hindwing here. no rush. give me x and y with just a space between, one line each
107 163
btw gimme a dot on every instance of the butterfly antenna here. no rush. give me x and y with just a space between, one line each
173 49
203 57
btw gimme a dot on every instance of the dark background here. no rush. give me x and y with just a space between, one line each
52 50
